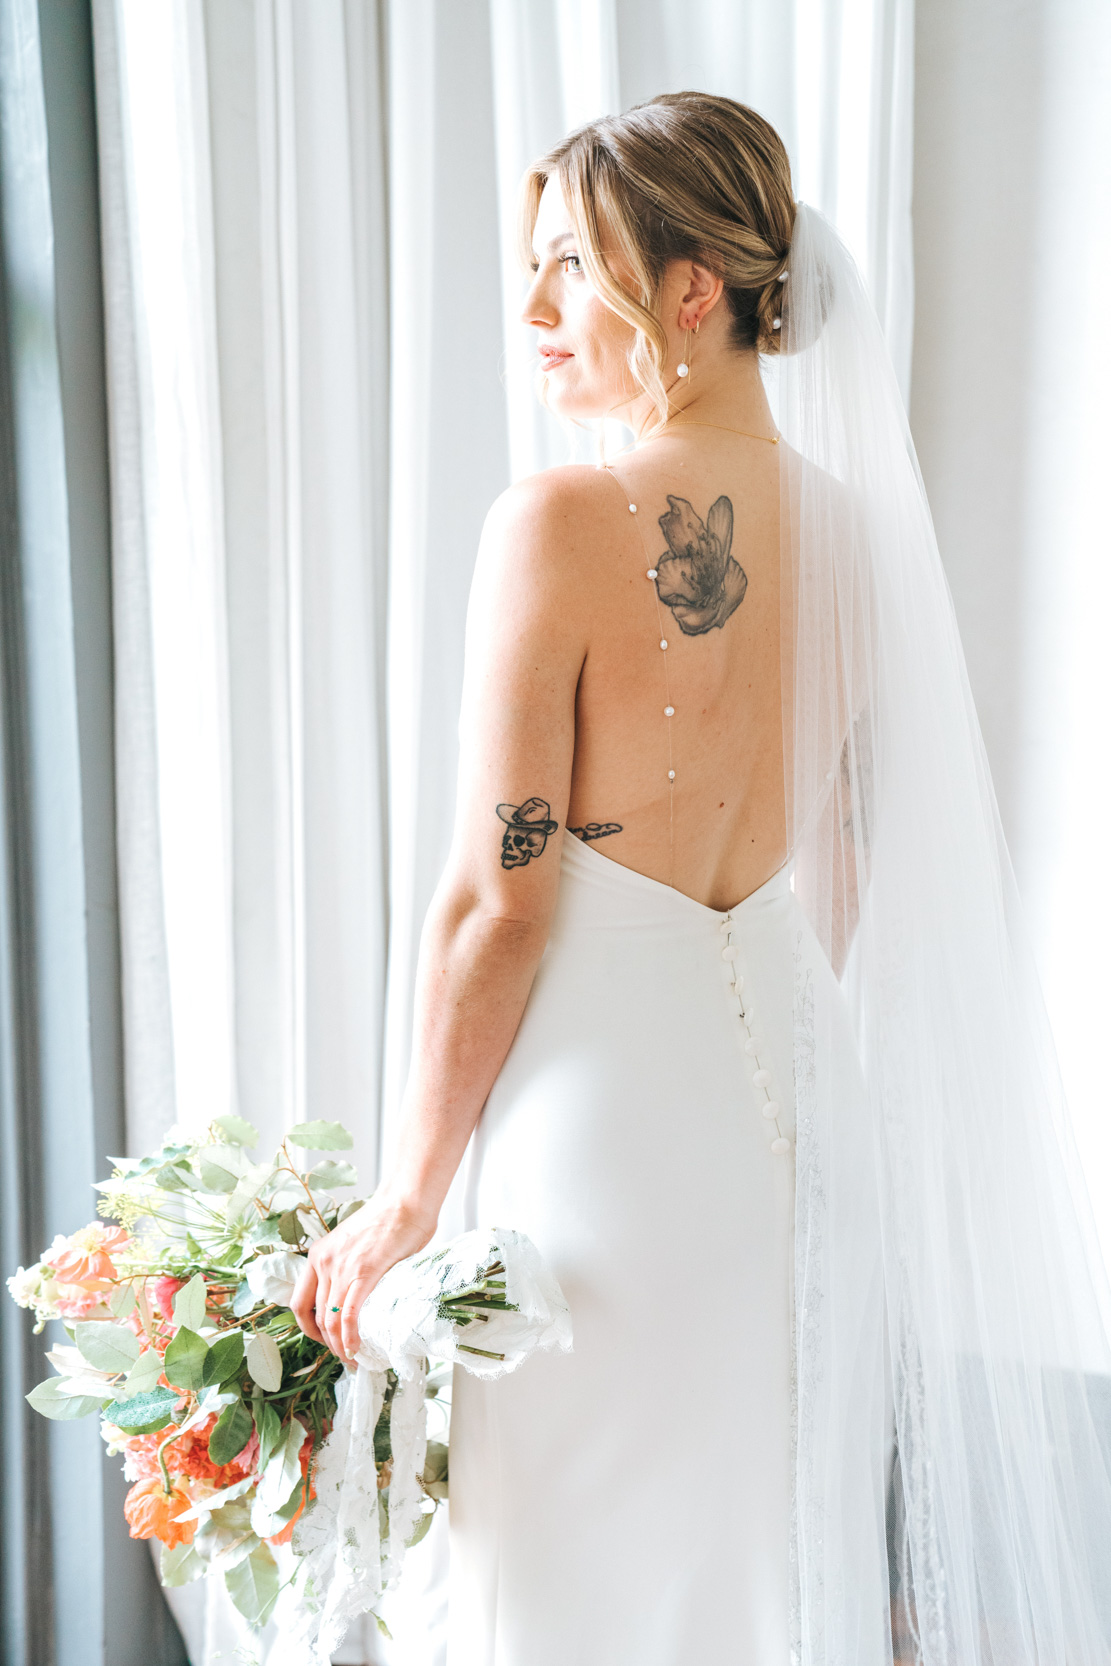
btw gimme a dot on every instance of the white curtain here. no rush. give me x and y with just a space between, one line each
318 385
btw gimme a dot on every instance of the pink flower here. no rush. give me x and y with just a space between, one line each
164 1290
74 1301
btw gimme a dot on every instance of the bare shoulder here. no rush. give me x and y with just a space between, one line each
553 523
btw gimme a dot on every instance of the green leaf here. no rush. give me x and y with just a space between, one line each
349 1208
269 1426
51 1401
434 1474
253 1585
331 1174
290 1230
215 1175
264 1362
189 1303
244 1299
144 1413
383 1627
283 1470
144 1374
180 1566
170 1178
238 1131
107 1347
320 1136
419 1531
184 1359
122 1301
225 1358
231 1433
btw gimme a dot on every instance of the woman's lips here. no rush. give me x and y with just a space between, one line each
551 359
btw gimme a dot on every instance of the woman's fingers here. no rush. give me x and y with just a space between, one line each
357 1292
303 1302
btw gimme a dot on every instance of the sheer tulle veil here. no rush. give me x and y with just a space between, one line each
953 1478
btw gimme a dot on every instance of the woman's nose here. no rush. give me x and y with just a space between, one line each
538 309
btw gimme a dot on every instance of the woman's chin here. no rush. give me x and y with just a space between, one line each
572 405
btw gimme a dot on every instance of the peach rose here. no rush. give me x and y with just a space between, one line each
151 1512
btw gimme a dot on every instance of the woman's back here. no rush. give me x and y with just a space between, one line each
706 523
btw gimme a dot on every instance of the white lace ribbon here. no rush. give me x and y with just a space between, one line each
350 1546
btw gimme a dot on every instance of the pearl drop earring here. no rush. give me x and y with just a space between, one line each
683 367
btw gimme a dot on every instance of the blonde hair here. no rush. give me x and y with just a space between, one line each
687 176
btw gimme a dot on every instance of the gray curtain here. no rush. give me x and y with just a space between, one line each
76 1590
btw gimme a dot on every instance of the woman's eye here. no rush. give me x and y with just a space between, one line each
571 263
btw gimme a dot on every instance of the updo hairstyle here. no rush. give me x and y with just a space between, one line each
687 176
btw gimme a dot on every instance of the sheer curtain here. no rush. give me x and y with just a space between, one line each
318 384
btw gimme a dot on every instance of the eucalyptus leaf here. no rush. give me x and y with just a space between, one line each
283 1469
225 1358
189 1303
121 1301
269 1426
144 1413
237 1130
320 1136
185 1359
253 1585
290 1230
170 1178
180 1566
244 1299
144 1374
51 1400
232 1431
264 1362
215 1175
349 1208
423 1524
332 1174
107 1347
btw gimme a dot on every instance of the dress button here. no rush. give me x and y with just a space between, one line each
781 1145
729 952
761 1078
751 1046
770 1110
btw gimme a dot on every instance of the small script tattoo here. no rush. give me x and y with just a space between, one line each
595 830
699 581
528 827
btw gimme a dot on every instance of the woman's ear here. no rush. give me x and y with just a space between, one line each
702 291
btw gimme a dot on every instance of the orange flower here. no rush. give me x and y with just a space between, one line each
85 1257
150 1512
188 1455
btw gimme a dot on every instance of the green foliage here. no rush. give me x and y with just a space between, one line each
235 1129
231 1433
329 1174
180 1566
264 1361
144 1374
184 1359
320 1136
224 1359
50 1399
253 1585
144 1413
189 1303
107 1347
269 1426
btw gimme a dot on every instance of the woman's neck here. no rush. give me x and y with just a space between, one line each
723 390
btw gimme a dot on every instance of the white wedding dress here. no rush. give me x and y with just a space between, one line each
630 1504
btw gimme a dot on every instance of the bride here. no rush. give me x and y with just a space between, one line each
723 998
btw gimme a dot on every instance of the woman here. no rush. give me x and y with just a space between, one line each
721 988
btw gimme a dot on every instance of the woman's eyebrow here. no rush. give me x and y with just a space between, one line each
554 242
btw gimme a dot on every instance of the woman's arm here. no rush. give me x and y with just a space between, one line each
488 923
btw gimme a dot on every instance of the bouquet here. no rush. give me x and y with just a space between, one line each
229 1419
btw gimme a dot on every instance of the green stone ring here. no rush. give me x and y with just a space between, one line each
335 1310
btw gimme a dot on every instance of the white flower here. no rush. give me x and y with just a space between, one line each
24 1284
271 1278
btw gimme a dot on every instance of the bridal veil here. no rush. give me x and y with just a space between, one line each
953 1478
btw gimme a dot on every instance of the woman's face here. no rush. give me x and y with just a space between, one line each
583 345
